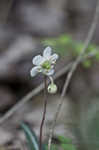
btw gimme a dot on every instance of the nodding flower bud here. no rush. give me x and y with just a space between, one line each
52 88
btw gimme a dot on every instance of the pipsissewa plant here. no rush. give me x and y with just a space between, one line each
45 64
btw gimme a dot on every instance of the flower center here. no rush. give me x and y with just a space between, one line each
46 65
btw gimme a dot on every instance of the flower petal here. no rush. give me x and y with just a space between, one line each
54 57
37 60
34 71
47 52
51 72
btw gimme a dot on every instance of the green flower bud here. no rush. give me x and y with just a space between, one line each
52 88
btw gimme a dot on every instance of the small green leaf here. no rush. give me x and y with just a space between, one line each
68 147
64 39
63 139
87 63
97 56
91 48
78 48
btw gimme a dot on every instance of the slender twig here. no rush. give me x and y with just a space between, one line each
72 70
10 3
44 112
37 90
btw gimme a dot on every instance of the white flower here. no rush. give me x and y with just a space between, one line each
44 64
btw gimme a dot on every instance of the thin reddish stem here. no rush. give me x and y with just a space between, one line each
44 113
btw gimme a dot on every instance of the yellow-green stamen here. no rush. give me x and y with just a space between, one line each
46 65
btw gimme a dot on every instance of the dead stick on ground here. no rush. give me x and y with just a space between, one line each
72 70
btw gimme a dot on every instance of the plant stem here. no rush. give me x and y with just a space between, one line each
44 112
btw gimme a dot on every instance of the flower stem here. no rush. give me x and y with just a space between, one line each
44 112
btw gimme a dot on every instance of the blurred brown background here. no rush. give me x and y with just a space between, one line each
23 25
